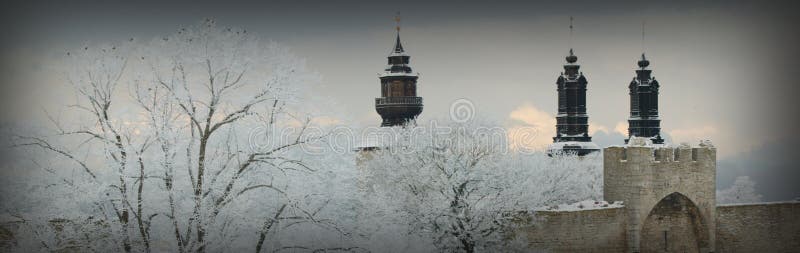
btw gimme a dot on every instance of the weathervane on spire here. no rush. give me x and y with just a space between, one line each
571 58
570 31
397 20
398 47
642 37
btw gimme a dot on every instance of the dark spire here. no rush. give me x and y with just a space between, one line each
570 32
398 47
398 58
642 38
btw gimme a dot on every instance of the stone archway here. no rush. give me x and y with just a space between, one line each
674 225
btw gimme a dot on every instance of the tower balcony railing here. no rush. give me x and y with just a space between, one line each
389 101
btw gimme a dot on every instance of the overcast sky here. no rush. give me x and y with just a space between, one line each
725 67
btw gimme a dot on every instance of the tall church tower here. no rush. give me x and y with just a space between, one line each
572 122
644 120
399 104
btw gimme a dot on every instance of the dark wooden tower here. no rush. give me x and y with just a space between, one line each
644 120
572 122
398 104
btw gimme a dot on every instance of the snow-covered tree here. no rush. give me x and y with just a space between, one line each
191 142
202 141
743 190
460 186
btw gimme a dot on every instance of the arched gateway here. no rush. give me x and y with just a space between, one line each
674 225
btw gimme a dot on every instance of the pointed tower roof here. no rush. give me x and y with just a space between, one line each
398 47
398 60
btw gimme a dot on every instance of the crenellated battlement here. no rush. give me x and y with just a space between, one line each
660 154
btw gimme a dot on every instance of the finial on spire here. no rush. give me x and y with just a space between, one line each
643 63
571 58
570 30
643 37
397 21
398 47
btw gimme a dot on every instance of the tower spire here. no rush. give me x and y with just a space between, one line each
398 47
642 38
570 34
571 58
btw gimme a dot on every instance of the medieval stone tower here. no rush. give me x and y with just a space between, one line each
668 195
399 104
644 120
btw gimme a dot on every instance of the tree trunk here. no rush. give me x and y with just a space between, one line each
198 192
267 226
139 203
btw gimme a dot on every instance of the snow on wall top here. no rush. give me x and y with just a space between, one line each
635 141
762 203
572 144
582 205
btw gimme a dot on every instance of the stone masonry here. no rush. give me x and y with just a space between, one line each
597 230
669 206
762 227
642 177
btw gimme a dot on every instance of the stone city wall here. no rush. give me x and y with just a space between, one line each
596 230
761 227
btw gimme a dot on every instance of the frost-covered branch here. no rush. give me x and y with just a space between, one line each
162 133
